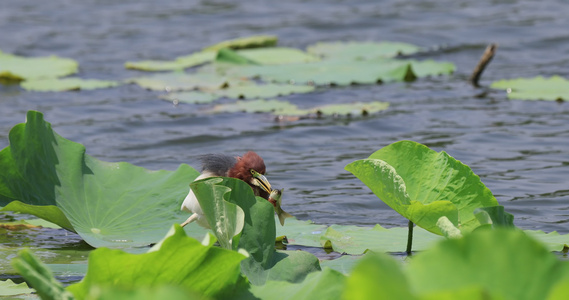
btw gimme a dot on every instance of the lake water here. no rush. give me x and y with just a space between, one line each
520 149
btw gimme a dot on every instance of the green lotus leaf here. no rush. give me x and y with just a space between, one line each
228 56
47 212
344 264
240 91
494 216
377 276
423 185
356 239
354 109
9 288
40 277
430 67
18 68
258 238
327 284
179 81
180 63
226 219
66 84
41 168
255 41
165 291
538 88
553 240
277 56
181 261
304 233
328 72
501 263
361 50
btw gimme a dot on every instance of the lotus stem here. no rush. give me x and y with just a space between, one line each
484 60
410 238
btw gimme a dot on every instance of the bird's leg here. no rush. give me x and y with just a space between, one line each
192 218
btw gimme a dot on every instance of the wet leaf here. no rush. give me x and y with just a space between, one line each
42 169
179 81
361 50
255 41
18 68
423 185
304 233
537 88
552 240
9 288
356 239
66 84
181 261
327 284
180 63
277 56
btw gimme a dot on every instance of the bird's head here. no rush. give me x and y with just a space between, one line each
251 169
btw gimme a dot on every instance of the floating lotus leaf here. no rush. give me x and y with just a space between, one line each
361 50
423 185
277 56
538 88
356 239
66 84
255 41
329 72
180 63
108 204
18 68
240 91
424 68
180 261
553 240
327 284
304 233
285 108
47 212
179 81
9 288
344 264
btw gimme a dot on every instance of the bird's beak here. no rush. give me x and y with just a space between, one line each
261 181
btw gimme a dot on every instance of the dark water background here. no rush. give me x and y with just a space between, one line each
520 149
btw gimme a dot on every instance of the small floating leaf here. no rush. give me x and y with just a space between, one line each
537 88
18 68
255 106
66 84
9 288
277 56
361 50
255 41
181 62
179 81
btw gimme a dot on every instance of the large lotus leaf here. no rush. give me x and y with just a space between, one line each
304 233
277 56
179 81
327 284
9 288
424 68
40 277
255 41
180 261
423 185
240 91
224 218
18 68
41 168
66 84
553 240
377 276
502 263
360 50
329 72
537 88
180 63
165 291
356 239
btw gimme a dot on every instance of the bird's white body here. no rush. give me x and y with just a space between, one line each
192 205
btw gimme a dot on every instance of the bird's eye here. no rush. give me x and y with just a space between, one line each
252 172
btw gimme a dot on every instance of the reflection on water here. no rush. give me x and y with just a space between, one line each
519 148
